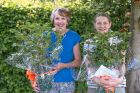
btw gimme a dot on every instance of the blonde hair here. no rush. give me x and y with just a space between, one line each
62 11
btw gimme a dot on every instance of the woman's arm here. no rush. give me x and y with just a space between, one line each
76 62
114 82
122 66
91 71
35 87
77 58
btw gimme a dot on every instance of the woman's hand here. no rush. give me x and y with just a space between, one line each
99 81
75 63
58 67
112 83
34 86
107 82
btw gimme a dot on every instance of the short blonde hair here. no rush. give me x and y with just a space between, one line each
62 12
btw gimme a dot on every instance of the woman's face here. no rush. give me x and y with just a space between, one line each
60 22
102 24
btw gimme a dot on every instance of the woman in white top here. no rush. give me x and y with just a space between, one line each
102 24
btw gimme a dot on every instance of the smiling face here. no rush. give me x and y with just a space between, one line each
60 22
102 24
60 17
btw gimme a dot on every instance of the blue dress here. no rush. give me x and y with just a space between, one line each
70 39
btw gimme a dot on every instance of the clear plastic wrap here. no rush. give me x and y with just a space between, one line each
40 71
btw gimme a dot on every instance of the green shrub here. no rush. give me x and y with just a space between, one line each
15 13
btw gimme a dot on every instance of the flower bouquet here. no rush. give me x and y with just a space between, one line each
103 50
35 53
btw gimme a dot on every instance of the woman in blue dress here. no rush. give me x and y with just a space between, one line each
68 58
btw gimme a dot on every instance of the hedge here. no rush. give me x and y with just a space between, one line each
12 15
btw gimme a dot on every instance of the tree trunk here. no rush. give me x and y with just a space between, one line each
133 76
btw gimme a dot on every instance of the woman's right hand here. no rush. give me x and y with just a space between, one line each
34 86
109 83
99 81
113 82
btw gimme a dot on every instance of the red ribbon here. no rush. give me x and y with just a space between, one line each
32 76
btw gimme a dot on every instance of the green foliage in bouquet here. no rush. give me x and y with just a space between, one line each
36 51
108 48
35 39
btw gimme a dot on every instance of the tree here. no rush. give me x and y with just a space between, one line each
133 83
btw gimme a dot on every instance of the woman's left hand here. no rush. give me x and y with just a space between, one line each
58 67
112 83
